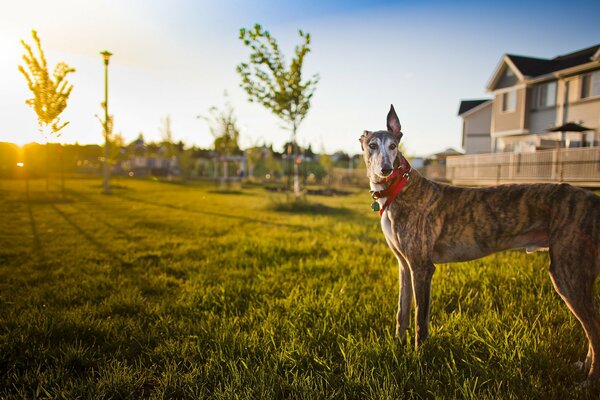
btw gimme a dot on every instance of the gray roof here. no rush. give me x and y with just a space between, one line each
466 105
532 67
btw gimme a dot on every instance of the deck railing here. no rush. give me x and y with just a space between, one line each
580 166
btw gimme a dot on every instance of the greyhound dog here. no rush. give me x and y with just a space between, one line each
426 222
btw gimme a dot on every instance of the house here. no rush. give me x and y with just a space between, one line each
537 104
144 160
434 166
477 118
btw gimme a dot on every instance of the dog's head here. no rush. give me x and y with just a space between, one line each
380 148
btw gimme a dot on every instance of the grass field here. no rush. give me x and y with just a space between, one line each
170 291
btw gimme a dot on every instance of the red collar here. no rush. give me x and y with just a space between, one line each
398 179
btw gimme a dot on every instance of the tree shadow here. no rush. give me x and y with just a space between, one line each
228 192
293 204
213 213
38 250
103 222
306 207
103 249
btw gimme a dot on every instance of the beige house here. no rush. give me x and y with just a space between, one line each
533 96
477 117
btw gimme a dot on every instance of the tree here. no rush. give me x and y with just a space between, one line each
327 165
50 93
223 126
166 134
170 150
269 81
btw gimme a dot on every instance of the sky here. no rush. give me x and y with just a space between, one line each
177 58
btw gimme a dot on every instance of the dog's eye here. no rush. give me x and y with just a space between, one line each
392 146
373 146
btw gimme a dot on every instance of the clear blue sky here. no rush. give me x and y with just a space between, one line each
178 57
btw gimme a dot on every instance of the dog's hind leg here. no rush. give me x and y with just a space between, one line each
575 286
405 297
421 275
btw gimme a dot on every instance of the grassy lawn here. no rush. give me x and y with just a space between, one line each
170 291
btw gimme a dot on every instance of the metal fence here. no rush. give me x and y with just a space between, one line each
580 166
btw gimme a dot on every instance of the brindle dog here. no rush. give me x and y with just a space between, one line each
430 222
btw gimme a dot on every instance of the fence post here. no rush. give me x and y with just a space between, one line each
498 173
554 167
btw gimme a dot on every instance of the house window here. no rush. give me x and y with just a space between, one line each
509 101
590 85
545 95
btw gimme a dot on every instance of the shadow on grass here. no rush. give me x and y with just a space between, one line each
112 187
38 250
227 192
92 240
300 205
103 221
328 192
45 200
212 213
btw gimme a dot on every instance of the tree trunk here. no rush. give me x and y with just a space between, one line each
294 156
47 168
62 175
26 171
224 177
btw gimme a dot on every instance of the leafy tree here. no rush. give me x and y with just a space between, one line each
269 81
50 93
327 165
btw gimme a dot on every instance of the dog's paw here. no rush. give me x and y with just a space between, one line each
585 384
400 336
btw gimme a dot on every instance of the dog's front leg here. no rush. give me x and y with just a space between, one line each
405 297
421 274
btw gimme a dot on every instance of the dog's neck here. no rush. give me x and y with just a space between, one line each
403 171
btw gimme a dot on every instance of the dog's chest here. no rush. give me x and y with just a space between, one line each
386 227
386 223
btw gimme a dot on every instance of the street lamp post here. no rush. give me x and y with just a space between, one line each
106 57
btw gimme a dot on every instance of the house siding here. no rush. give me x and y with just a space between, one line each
506 80
509 121
540 121
478 145
586 112
583 111
477 131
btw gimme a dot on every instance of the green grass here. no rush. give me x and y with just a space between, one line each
170 291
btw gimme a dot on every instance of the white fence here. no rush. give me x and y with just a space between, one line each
580 166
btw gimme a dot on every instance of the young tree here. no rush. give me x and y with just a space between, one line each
168 145
223 126
269 81
166 134
50 93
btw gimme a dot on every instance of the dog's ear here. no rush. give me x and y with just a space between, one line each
393 123
363 139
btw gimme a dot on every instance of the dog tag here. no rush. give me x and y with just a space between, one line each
375 206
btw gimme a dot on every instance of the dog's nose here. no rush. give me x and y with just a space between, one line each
386 171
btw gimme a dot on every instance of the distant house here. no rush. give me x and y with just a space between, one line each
537 104
143 162
434 166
